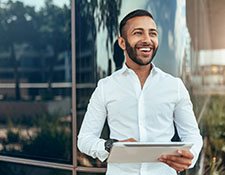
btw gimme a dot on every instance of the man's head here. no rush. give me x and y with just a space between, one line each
139 37
130 15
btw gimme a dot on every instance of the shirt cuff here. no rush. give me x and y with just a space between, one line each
194 160
102 153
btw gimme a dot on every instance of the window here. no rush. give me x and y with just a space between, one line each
39 121
36 86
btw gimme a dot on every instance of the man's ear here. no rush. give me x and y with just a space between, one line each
122 43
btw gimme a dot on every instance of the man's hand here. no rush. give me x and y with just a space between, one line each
179 162
128 140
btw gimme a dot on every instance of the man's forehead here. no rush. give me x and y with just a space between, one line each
140 22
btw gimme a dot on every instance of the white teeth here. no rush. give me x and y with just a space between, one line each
145 49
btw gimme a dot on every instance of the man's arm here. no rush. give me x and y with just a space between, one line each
89 141
188 131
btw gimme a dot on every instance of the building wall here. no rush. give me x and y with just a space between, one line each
36 74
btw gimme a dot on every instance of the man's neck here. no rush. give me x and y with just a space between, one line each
141 71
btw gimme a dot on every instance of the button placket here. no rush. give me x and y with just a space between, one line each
141 117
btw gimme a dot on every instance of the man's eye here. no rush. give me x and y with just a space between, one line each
137 33
153 34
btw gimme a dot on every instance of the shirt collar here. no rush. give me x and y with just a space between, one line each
127 69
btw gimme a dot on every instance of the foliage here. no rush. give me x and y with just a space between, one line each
51 140
47 31
214 132
44 31
110 10
100 14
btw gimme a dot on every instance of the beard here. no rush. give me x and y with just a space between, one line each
132 53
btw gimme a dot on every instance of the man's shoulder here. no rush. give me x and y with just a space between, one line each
108 80
166 75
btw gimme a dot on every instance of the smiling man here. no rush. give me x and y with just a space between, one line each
137 46
141 103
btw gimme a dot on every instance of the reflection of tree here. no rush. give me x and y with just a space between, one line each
109 12
214 132
37 140
46 30
97 14
54 31
118 55
91 17
85 40
51 133
16 27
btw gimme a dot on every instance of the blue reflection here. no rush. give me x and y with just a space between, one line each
173 34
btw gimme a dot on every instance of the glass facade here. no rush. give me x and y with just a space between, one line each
35 80
42 103
90 173
17 169
36 69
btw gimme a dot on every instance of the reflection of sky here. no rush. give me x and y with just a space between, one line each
102 56
173 34
181 32
171 20
40 3
128 7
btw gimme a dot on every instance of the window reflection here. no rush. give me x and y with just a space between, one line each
92 19
81 173
35 76
18 169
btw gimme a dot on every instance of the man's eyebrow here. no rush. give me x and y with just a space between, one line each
153 30
139 28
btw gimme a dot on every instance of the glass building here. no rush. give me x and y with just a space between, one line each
52 54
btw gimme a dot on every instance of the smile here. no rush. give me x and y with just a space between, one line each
145 49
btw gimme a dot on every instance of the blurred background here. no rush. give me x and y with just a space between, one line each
53 52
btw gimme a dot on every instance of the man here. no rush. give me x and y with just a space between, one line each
141 103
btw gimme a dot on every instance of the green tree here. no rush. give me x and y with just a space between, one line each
214 132
55 33
16 27
108 19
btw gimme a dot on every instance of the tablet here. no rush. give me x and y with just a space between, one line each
143 152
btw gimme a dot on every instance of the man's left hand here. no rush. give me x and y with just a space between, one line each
179 162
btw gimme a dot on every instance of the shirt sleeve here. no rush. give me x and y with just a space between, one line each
186 124
89 141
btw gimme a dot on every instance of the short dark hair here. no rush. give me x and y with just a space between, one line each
135 13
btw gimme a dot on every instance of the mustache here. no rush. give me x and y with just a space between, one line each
144 44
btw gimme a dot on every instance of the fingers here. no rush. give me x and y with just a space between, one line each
179 162
185 153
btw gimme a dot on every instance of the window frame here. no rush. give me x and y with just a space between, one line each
45 164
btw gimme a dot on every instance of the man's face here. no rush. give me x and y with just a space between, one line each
141 40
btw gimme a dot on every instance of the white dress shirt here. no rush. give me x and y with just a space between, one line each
146 114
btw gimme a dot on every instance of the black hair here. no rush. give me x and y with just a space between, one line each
133 14
118 55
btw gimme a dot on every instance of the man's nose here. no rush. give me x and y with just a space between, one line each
147 38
